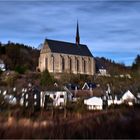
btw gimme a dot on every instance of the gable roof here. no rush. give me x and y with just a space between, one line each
88 85
127 95
124 95
68 48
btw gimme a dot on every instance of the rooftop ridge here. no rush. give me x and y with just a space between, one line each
64 42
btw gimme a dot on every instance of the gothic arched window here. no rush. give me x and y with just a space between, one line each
53 59
46 63
89 64
84 65
70 64
77 65
63 64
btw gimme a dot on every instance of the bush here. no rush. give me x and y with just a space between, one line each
20 69
11 79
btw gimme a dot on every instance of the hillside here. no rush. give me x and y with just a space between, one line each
111 66
19 56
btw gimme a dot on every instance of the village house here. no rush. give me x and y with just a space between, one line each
55 98
30 97
128 97
2 65
100 68
60 57
124 98
94 103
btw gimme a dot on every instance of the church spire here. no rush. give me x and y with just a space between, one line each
77 34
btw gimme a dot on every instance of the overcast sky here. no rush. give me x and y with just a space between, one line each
109 28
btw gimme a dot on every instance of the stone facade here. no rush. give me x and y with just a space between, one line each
60 62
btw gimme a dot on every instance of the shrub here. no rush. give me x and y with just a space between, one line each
11 79
20 69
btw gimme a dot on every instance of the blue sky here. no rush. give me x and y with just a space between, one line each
109 28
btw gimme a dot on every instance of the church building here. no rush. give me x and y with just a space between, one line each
60 57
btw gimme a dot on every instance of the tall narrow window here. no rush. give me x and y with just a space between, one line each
70 64
77 65
52 62
46 63
63 64
89 64
84 63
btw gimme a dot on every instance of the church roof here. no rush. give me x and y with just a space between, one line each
68 48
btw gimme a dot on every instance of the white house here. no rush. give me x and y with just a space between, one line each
126 97
129 98
94 103
2 65
10 99
102 71
59 98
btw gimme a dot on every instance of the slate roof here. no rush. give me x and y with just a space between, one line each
72 86
92 85
68 48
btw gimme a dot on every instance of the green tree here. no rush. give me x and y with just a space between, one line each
136 67
46 79
136 63
20 69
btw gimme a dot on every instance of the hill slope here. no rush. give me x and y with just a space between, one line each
112 67
19 55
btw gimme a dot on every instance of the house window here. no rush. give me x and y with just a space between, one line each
35 96
61 96
26 104
26 96
54 96
63 64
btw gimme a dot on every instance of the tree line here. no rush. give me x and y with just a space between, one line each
19 57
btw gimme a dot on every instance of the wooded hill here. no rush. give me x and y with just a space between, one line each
21 57
111 66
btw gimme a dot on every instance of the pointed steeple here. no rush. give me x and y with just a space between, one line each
77 34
